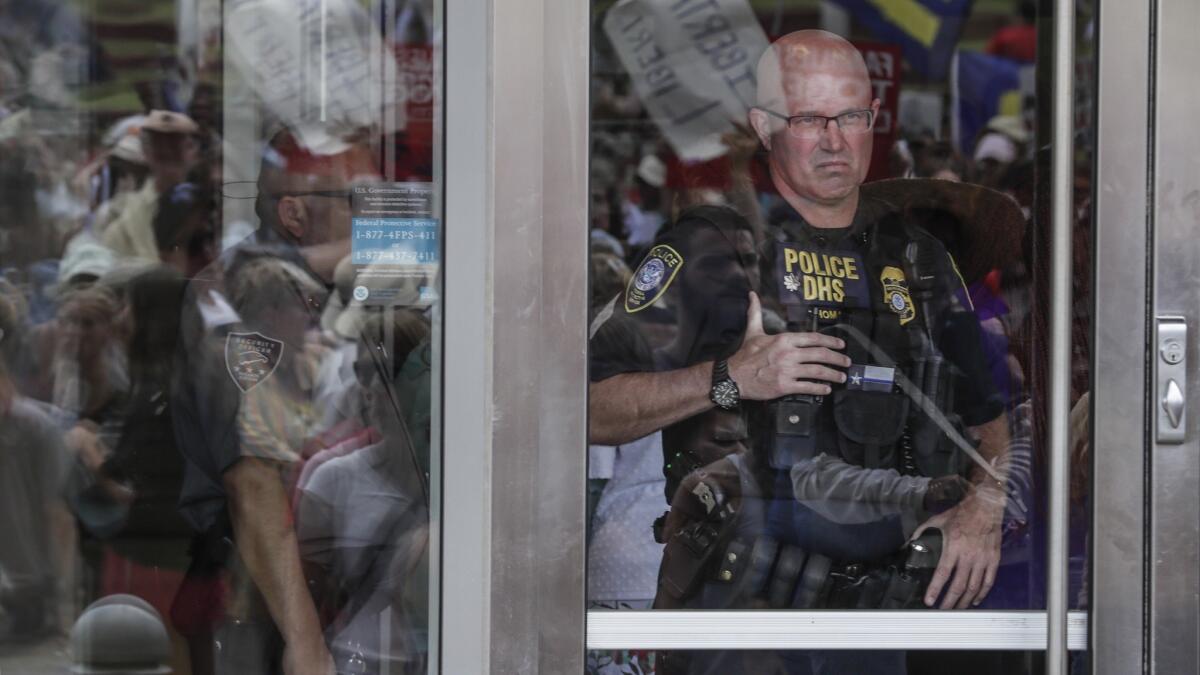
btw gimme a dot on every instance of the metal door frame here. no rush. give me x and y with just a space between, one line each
516 319
1173 545
515 368
1124 221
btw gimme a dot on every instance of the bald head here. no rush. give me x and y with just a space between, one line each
806 81
792 59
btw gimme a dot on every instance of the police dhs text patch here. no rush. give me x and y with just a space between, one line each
821 278
652 277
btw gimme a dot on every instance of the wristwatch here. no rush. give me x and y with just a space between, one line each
724 393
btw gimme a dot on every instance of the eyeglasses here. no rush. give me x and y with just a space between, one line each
809 127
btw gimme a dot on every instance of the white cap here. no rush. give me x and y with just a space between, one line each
1009 125
996 146
84 255
129 148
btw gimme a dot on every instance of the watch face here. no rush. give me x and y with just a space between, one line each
725 394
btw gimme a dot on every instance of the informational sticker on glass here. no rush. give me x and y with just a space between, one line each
395 242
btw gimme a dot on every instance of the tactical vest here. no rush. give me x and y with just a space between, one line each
875 419
879 419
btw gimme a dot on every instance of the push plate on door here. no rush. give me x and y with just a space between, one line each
1171 382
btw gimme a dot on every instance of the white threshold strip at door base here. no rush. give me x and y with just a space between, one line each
906 630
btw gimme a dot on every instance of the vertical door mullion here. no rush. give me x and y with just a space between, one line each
1119 373
1059 405
466 447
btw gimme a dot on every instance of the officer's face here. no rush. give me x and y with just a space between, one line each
827 169
331 214
314 204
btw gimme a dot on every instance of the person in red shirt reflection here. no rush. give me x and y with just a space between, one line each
1019 41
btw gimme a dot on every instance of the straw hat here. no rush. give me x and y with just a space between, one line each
982 228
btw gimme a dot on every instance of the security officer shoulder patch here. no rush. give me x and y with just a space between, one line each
652 278
818 278
895 294
251 358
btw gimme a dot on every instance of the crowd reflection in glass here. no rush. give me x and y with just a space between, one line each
644 175
214 453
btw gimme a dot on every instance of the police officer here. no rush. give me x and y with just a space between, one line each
244 412
844 340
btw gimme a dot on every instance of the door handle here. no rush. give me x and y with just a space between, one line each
1171 379
1173 404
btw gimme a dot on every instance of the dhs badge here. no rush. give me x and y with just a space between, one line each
895 294
251 358
652 278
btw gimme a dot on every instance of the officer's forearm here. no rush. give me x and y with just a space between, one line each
266 542
993 447
626 407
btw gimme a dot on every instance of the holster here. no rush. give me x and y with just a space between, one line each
691 551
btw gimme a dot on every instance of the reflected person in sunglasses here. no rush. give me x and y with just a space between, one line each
245 398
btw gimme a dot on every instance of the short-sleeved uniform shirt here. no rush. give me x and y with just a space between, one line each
240 389
687 303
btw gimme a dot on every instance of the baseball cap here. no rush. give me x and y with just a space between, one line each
167 122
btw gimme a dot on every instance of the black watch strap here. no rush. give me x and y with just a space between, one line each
724 392
720 371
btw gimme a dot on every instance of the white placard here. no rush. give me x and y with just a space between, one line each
315 66
693 66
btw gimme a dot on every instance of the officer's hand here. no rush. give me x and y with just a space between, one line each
970 549
767 367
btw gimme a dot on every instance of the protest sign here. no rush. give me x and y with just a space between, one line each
883 67
693 65
317 67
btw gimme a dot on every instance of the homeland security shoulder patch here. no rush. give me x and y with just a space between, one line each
652 278
895 293
251 358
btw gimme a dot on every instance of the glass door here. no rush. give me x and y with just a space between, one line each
220 336
841 335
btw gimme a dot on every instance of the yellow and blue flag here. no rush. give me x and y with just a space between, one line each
927 30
